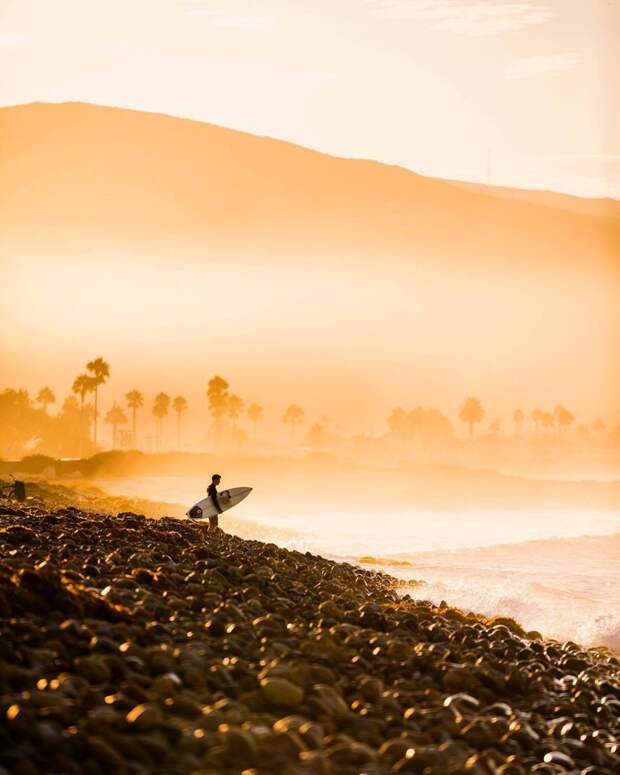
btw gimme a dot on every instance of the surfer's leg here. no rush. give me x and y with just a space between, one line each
213 522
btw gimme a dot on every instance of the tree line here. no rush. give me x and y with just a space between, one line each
28 426
431 423
75 429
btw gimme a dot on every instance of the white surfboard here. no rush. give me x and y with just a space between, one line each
227 499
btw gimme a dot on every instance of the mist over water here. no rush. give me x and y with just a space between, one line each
554 569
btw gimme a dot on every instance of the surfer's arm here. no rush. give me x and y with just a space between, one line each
216 501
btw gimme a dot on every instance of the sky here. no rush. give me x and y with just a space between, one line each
511 92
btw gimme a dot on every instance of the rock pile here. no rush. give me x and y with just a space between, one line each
88 497
133 645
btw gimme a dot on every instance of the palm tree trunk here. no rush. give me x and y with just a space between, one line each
95 430
471 430
133 426
81 424
178 430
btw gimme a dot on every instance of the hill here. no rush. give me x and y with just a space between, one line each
74 172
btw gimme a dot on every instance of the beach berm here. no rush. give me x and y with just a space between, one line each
138 645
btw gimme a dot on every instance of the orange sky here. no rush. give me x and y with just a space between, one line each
523 91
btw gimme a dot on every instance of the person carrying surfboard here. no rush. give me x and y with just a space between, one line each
216 502
212 493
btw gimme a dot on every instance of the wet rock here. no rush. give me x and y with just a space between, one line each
461 705
93 668
371 688
395 750
280 692
331 610
421 759
167 684
350 754
144 717
330 701
106 755
238 744
181 705
17 535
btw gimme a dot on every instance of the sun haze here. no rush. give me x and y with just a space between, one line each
144 230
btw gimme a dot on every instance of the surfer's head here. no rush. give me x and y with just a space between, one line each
216 478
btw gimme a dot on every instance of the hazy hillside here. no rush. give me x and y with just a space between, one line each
607 208
72 172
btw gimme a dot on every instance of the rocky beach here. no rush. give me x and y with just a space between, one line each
132 644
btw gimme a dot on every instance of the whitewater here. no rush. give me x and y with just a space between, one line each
556 571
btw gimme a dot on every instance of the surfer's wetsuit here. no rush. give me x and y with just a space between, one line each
212 493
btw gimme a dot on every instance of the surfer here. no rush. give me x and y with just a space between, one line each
215 503
212 493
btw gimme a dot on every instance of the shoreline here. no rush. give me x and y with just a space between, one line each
456 575
150 645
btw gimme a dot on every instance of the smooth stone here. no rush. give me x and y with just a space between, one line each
281 692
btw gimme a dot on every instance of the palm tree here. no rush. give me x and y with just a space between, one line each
537 416
217 395
547 420
255 413
235 407
179 405
598 425
160 410
563 417
293 417
495 427
582 431
82 385
135 400
100 371
397 421
567 418
46 396
471 412
518 418
115 417
70 421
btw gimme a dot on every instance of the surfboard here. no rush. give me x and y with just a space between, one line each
227 498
